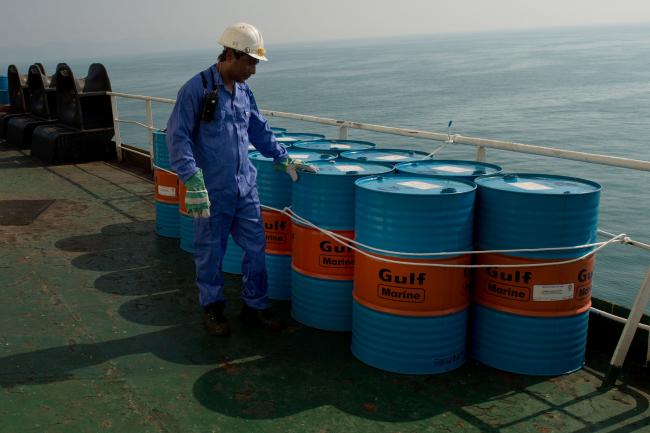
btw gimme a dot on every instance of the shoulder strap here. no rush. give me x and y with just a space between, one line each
205 81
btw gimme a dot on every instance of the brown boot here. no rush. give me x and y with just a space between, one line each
261 318
214 321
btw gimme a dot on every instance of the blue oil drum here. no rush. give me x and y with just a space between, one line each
274 186
530 319
186 224
409 318
408 345
389 157
456 168
275 191
516 211
326 198
166 192
415 214
160 152
278 131
278 269
539 346
233 258
320 303
335 146
4 90
292 137
322 268
167 221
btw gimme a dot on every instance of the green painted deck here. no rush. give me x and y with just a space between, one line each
100 332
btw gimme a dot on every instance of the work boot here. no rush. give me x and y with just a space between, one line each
214 321
262 318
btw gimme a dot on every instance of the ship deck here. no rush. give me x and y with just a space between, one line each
101 331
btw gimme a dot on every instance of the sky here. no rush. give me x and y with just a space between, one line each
32 29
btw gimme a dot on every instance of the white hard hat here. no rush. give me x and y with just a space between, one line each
245 38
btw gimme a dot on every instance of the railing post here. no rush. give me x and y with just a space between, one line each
647 353
481 154
625 340
147 107
116 127
343 133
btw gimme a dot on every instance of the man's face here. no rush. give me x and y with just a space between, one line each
243 67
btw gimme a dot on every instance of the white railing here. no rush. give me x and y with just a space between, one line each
481 144
148 100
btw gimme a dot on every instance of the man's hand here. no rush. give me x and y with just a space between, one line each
292 166
196 198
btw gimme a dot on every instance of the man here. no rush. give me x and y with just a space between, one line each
208 132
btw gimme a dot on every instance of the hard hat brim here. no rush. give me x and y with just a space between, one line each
253 55
258 57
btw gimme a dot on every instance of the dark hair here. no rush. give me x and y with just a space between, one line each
222 56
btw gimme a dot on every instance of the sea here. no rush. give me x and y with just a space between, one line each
584 89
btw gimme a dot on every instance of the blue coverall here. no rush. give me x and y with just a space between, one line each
220 149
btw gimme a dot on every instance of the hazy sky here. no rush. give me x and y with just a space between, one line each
31 28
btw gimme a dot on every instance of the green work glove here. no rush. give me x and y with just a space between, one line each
197 201
292 166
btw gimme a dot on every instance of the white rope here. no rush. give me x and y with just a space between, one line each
626 239
350 244
437 149
306 222
450 140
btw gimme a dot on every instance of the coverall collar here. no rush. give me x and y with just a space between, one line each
216 76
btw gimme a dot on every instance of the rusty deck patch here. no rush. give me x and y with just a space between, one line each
21 212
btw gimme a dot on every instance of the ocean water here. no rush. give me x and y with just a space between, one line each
585 89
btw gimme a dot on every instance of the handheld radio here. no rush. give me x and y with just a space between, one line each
210 100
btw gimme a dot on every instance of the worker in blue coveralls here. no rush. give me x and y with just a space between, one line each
208 133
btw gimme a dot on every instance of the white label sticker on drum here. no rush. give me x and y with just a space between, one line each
419 185
531 186
349 168
552 292
167 191
452 169
391 158
340 146
299 155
